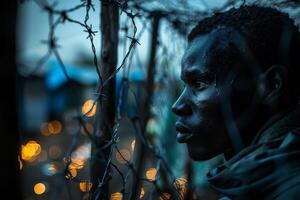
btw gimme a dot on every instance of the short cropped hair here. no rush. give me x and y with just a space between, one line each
271 35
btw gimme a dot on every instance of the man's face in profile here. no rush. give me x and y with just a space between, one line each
200 108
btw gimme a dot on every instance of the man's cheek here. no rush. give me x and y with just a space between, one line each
205 98
197 120
207 111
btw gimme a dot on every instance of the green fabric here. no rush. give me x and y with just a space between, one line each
267 169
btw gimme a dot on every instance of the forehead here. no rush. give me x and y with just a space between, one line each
197 54
204 53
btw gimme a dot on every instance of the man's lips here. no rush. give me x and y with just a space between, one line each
184 132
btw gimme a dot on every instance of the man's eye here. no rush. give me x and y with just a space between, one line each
199 85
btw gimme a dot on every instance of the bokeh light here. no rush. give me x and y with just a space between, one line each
30 150
181 185
142 193
39 188
77 163
85 186
132 145
89 108
79 156
151 174
165 196
71 173
54 151
116 196
49 169
152 126
123 156
55 127
44 129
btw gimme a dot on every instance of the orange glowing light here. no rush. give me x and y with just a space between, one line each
116 196
123 156
151 174
30 150
181 184
85 186
142 193
181 181
39 188
77 163
72 172
165 196
79 157
54 127
132 145
89 108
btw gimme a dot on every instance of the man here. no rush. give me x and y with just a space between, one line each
241 99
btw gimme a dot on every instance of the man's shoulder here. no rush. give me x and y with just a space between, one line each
289 190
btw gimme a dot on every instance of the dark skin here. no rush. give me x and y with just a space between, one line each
223 105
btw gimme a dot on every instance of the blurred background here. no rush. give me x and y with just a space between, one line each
61 107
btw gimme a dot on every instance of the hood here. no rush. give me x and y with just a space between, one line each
266 168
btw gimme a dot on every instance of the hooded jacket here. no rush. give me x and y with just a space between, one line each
267 169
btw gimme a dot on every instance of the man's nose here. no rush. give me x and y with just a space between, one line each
181 107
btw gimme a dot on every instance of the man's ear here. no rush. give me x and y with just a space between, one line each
272 84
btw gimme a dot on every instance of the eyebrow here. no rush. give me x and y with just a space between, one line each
196 74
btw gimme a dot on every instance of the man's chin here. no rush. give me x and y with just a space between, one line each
200 156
